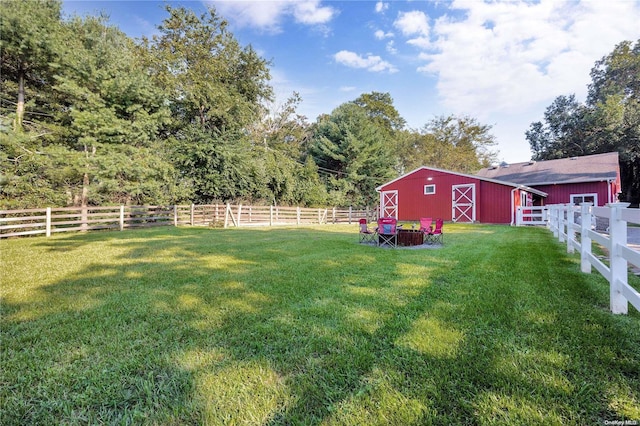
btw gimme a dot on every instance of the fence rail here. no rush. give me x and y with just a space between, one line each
532 215
573 225
45 221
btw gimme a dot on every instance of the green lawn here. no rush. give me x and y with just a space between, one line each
175 326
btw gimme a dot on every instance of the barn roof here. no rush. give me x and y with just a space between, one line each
588 168
486 179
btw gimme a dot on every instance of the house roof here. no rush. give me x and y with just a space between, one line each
589 168
487 179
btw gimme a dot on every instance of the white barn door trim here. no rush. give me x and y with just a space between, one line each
389 204
463 204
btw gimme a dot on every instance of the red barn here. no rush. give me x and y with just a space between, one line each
590 178
452 196
493 195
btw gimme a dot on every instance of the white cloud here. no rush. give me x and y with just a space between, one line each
347 88
412 23
381 35
311 13
420 42
391 47
508 56
370 62
381 7
268 15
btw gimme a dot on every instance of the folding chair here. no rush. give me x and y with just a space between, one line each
426 228
388 231
366 235
436 234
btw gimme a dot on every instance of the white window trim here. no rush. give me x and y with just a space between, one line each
432 185
594 195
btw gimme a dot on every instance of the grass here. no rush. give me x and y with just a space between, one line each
175 326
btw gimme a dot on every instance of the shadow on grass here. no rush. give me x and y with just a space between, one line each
302 326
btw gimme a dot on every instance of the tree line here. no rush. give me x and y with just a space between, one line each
608 121
89 116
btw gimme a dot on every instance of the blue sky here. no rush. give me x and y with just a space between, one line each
501 62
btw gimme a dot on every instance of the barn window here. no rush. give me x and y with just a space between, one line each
429 189
576 199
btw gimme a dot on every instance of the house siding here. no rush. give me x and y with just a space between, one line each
494 202
561 193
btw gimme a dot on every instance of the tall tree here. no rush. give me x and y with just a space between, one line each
282 128
209 79
564 132
608 121
379 106
461 143
115 114
214 88
614 96
449 142
103 125
349 144
28 48
218 168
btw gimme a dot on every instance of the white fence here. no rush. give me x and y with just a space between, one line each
50 220
573 225
45 221
247 215
533 215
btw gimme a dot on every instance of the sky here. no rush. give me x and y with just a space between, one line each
499 62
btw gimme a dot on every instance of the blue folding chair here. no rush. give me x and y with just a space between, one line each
388 231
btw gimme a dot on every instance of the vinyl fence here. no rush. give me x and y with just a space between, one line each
573 225
49 220
532 215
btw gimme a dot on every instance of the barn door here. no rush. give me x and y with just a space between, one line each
463 203
389 204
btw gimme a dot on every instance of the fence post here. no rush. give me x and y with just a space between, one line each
270 215
48 222
585 240
122 218
175 215
333 212
571 232
617 263
298 215
191 214
545 215
319 216
349 215
239 213
553 220
562 222
84 212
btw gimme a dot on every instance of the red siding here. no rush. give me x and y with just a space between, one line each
493 201
494 204
559 194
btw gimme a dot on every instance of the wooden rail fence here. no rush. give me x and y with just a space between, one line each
573 225
45 221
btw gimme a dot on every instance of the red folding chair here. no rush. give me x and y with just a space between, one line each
366 235
426 228
388 231
436 235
